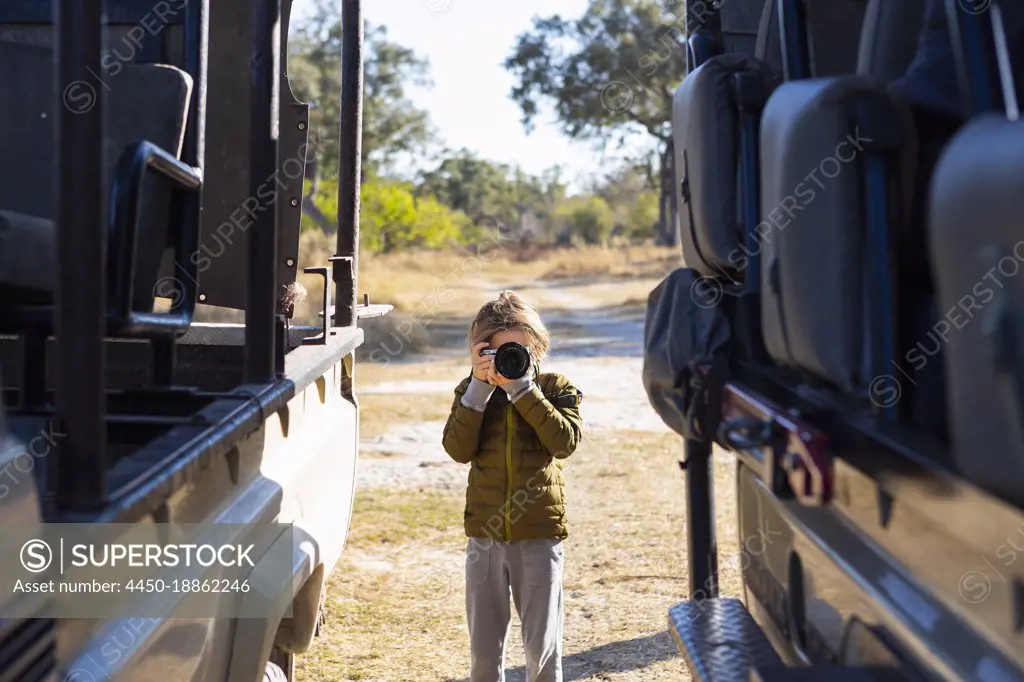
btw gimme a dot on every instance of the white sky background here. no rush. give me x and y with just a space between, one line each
466 42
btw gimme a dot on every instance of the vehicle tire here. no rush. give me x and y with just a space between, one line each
273 673
280 667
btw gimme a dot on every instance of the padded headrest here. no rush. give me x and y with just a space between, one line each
835 35
740 22
145 102
888 40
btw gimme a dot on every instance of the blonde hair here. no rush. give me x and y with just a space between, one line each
510 311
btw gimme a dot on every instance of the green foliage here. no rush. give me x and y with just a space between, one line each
642 216
495 195
440 226
392 217
608 74
588 218
477 187
326 200
387 216
629 191
613 69
392 124
395 215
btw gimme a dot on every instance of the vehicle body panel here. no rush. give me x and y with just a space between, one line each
830 561
297 467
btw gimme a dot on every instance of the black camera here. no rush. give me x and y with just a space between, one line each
511 360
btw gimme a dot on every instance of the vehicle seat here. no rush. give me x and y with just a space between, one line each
819 279
707 140
888 40
740 22
708 108
144 102
833 46
977 252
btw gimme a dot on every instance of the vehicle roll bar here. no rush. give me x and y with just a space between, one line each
261 285
90 305
346 267
81 256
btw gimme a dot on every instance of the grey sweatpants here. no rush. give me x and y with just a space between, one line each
531 571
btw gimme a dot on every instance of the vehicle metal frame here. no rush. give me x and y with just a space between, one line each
886 530
148 405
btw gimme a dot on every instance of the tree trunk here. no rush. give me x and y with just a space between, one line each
313 175
672 236
662 219
310 209
666 222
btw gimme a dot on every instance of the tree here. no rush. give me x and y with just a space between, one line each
629 193
495 195
439 226
588 217
609 74
392 124
479 188
392 218
642 215
387 216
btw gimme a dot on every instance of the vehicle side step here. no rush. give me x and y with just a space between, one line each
720 640
827 674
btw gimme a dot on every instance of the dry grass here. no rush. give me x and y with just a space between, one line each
433 283
395 609
629 262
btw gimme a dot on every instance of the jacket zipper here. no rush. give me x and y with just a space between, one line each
508 467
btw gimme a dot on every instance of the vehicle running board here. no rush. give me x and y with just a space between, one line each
720 640
826 673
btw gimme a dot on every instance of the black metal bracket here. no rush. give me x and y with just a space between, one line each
747 433
327 310
321 338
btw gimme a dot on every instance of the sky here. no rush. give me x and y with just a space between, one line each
466 42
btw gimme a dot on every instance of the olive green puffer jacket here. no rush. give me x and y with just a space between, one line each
516 489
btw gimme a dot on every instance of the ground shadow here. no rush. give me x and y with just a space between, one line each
616 657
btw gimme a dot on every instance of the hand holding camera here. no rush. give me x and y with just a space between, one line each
509 366
511 361
481 363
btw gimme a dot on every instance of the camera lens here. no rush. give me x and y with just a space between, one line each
512 360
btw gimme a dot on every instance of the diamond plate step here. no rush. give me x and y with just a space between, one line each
720 640
828 674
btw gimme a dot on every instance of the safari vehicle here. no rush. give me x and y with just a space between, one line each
153 160
875 542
